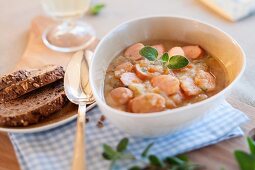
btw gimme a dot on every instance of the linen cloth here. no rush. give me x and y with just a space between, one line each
53 149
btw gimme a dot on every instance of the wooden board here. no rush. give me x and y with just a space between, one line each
36 54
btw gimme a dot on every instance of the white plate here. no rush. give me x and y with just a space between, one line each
45 124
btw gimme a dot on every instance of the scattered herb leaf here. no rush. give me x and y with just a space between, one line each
127 156
96 9
183 158
251 144
135 168
106 156
122 145
177 62
115 155
165 57
154 160
245 160
146 150
109 153
149 53
174 161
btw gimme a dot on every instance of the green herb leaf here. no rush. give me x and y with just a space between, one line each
174 161
127 156
177 62
109 153
165 57
135 168
149 52
154 160
245 160
106 156
122 146
95 9
146 150
251 144
183 158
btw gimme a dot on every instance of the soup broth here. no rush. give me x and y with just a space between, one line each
137 85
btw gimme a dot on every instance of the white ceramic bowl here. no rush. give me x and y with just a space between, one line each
213 40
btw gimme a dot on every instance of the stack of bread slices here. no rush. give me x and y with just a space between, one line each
26 97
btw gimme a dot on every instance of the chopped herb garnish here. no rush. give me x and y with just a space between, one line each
96 9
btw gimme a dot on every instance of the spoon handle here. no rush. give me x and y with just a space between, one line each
79 157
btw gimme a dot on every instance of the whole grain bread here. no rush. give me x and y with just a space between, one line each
36 79
34 106
13 78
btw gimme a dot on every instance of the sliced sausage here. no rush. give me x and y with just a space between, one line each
142 72
205 81
128 78
122 68
137 89
192 51
132 52
176 51
189 87
177 97
121 95
160 48
147 103
167 83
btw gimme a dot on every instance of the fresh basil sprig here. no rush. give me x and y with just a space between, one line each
172 62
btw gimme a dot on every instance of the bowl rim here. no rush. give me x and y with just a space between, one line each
179 109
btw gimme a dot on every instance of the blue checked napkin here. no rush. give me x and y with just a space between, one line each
53 149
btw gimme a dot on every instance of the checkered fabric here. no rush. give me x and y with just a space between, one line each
53 149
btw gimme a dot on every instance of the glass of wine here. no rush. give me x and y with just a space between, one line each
71 34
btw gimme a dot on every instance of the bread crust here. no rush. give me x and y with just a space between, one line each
34 106
39 78
13 78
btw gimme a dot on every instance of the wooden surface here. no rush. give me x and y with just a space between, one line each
36 54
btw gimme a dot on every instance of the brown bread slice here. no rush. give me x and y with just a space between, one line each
13 78
34 106
41 77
